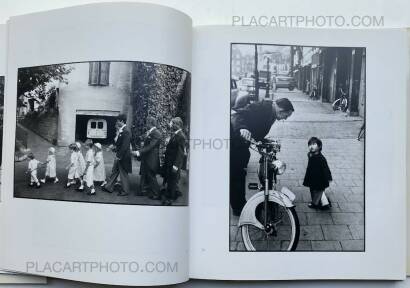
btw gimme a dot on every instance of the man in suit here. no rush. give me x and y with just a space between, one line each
122 163
253 121
149 155
174 160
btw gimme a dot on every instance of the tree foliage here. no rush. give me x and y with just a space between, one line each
38 77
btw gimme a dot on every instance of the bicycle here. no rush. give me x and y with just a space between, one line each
340 104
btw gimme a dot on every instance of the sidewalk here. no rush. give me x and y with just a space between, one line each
342 227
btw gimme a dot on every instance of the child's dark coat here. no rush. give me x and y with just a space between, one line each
318 174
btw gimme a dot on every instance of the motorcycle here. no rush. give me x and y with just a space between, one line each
269 221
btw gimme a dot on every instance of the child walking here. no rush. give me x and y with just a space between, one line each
99 167
88 177
81 165
50 174
317 175
33 166
73 171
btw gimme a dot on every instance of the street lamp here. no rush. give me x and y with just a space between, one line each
256 74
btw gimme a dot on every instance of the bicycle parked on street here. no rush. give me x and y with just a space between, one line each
341 103
269 221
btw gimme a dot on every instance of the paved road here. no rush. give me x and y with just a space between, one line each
51 191
342 227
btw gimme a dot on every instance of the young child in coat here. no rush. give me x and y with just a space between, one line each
33 166
317 175
50 174
81 165
73 171
99 167
88 176
81 161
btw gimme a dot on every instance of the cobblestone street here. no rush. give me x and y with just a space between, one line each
342 227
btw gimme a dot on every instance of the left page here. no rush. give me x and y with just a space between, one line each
98 101
5 277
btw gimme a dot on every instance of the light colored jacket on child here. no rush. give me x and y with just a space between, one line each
74 162
99 171
33 167
51 166
89 174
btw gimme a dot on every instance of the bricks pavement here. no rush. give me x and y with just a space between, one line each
342 227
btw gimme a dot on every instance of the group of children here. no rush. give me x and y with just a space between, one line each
81 171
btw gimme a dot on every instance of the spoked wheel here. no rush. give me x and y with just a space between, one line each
281 233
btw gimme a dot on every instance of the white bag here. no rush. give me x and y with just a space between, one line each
324 199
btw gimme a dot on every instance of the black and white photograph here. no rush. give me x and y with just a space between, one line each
297 148
2 78
112 132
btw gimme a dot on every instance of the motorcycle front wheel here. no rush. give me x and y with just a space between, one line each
282 233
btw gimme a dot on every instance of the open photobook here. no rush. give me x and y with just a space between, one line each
140 150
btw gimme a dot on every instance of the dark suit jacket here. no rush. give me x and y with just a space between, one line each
257 117
123 151
150 151
175 151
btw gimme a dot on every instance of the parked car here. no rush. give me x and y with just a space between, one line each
247 85
283 81
97 128
263 79
234 92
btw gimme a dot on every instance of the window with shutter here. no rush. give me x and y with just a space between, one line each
104 73
94 73
99 73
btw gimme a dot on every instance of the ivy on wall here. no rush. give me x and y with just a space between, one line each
160 91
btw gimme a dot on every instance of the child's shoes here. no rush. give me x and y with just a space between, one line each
312 206
69 184
92 192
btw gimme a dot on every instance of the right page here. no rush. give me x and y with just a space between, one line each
298 154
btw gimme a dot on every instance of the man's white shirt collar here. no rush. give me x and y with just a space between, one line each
121 129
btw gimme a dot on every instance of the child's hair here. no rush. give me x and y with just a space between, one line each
72 146
316 140
30 155
98 145
89 143
52 150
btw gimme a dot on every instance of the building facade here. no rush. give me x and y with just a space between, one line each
93 90
331 70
